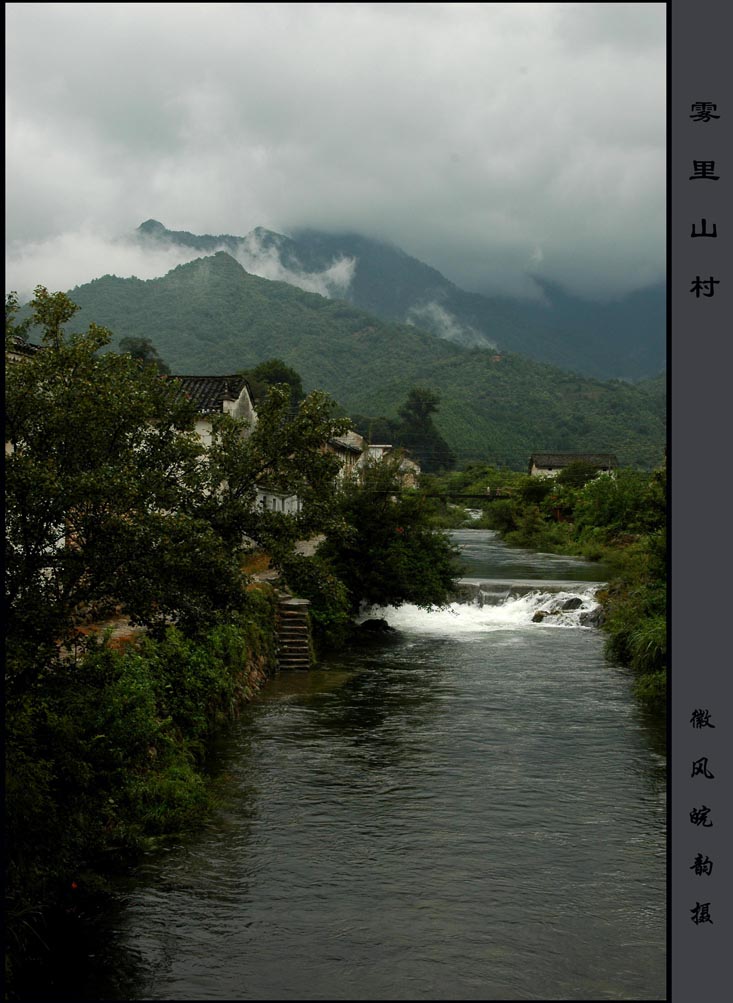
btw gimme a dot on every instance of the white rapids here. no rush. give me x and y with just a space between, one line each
485 613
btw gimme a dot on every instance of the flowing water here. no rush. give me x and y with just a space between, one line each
470 808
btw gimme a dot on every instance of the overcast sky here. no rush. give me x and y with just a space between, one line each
493 141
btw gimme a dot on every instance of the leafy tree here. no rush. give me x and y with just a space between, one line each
414 430
103 490
421 403
387 553
417 431
13 327
535 489
144 351
113 503
381 430
577 474
284 452
614 505
272 373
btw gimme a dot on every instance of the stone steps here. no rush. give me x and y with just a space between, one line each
293 634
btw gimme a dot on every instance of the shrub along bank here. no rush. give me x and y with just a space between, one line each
107 752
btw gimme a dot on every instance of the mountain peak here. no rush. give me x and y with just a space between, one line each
151 226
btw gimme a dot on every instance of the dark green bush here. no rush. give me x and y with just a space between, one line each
312 578
108 751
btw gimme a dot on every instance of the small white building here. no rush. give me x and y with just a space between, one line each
350 448
213 395
550 464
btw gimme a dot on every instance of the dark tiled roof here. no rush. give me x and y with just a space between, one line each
563 459
207 393
23 347
351 441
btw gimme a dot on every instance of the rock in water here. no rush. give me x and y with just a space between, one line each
377 626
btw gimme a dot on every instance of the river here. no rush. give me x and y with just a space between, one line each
470 808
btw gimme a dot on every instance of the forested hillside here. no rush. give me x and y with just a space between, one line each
210 316
624 338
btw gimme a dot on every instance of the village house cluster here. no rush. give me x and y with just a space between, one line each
232 395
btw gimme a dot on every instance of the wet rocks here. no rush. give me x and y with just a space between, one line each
593 617
377 626
574 603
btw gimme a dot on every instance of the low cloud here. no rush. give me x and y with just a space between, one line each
466 134
435 318
74 258
70 259
259 259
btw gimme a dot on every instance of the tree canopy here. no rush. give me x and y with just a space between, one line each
144 351
414 430
274 372
112 500
387 552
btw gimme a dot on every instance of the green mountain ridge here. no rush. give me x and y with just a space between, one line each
211 316
624 339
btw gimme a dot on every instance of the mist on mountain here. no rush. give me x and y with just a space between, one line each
620 339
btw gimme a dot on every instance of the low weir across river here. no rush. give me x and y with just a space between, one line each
472 807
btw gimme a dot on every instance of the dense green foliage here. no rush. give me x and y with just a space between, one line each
211 316
274 372
102 487
388 551
115 510
620 519
413 430
113 502
107 751
314 578
144 351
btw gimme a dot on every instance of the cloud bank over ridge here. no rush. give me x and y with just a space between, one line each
489 140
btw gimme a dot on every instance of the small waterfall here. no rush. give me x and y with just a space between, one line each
491 606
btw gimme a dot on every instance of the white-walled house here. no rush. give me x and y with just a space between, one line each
550 464
213 395
350 448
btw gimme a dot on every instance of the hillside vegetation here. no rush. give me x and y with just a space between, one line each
211 316
623 338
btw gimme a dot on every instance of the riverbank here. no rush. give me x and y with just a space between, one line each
113 758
